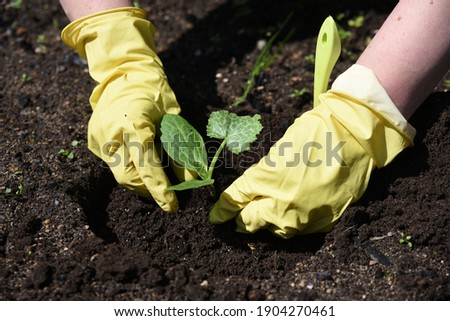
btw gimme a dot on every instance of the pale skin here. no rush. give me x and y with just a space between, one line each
76 9
410 53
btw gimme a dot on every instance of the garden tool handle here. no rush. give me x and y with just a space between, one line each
328 49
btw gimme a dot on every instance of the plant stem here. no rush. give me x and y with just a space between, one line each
212 191
215 158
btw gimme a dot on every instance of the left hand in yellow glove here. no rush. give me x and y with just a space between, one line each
323 162
130 99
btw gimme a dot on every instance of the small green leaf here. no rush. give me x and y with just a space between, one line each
357 22
184 144
340 16
15 4
299 92
242 132
41 39
219 123
310 58
25 77
194 183
74 142
238 131
19 189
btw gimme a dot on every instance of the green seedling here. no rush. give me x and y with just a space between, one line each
184 144
357 22
447 83
343 33
310 58
405 239
299 92
340 16
14 191
25 77
264 60
68 153
41 44
15 4
41 40
55 23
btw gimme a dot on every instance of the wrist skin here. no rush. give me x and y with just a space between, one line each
410 53
81 8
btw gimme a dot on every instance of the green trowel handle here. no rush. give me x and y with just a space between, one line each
328 49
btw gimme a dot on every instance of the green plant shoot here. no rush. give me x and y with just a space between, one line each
11 191
264 60
299 92
405 239
15 4
185 145
67 153
447 83
357 22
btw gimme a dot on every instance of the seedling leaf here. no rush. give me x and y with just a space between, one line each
238 131
15 4
218 124
194 183
184 144
242 132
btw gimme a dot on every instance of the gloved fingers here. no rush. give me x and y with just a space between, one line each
126 174
263 213
138 176
233 200
251 218
145 158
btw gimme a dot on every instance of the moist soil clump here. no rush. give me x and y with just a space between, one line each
69 232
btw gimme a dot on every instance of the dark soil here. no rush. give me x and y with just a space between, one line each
69 232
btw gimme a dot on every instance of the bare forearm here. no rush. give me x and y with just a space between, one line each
80 8
411 52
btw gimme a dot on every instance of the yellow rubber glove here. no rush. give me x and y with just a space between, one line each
130 99
323 162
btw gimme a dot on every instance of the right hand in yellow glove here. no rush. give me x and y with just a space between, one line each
130 99
323 162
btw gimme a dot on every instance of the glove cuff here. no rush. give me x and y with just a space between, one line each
73 36
362 83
